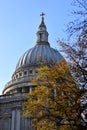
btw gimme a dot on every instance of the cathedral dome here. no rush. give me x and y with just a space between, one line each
26 68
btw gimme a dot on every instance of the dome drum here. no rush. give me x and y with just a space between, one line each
24 72
16 85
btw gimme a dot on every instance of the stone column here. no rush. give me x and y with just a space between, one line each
30 89
17 119
27 124
13 120
8 125
23 90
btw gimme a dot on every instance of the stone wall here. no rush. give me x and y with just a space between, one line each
10 113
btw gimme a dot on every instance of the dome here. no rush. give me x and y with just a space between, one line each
37 54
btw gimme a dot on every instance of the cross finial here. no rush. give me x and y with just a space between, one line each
42 14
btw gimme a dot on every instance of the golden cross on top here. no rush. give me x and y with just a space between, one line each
42 14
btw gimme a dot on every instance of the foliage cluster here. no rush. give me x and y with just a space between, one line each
55 102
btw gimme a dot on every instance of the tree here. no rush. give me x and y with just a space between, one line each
77 58
55 102
77 52
80 22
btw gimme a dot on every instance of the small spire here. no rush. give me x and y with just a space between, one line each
42 16
42 21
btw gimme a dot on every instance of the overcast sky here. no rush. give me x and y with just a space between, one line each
19 21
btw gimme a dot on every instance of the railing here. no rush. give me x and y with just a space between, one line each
24 79
9 96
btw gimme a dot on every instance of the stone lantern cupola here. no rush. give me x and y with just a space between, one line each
42 34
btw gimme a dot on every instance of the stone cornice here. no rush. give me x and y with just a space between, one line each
12 98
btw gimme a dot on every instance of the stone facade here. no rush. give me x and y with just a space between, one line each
10 113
